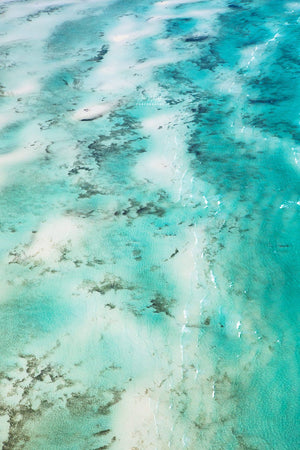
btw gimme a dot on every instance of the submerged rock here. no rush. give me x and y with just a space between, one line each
196 38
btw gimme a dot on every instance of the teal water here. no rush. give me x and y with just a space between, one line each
149 257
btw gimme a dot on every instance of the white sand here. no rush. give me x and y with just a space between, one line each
93 112
6 118
52 237
18 156
196 14
157 165
28 87
4 428
130 29
136 422
166 3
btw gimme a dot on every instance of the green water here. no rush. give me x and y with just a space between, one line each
149 253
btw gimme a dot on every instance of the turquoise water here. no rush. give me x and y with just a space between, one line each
149 176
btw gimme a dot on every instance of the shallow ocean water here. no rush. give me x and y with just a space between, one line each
149 176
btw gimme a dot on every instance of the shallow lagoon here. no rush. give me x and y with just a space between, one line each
149 183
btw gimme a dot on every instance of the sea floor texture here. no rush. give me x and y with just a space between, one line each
149 247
